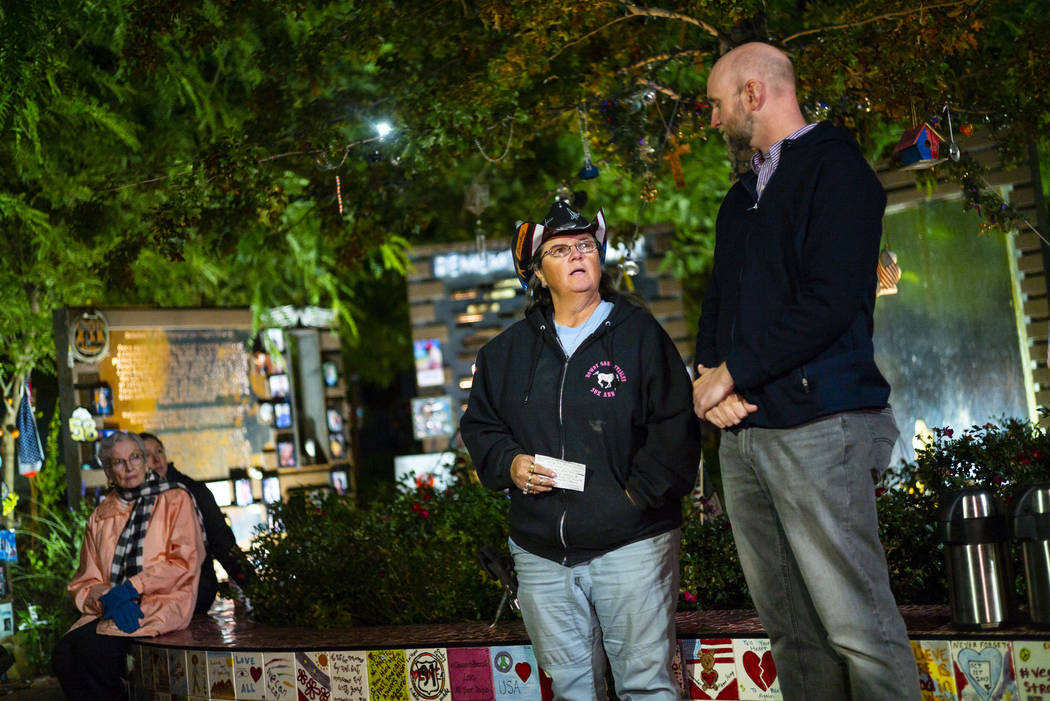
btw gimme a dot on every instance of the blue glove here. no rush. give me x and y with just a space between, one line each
127 616
116 596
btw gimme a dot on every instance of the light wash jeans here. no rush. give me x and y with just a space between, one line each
802 505
621 604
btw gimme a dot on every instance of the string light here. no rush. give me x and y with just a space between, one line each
339 194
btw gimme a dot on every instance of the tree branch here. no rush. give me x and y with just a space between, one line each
588 35
660 89
668 14
636 11
876 18
664 57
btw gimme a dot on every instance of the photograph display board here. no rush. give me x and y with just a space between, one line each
189 386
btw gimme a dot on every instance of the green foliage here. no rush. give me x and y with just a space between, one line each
908 531
49 554
711 577
187 153
407 558
1001 455
50 482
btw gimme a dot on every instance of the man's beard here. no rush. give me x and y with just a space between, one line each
738 136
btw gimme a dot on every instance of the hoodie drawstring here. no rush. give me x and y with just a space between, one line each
535 362
607 342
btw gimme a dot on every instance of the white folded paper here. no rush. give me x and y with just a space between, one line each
568 475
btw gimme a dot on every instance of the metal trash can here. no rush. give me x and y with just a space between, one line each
974 531
1032 530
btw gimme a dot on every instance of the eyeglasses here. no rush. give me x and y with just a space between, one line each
564 249
135 460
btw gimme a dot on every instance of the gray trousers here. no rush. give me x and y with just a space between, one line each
802 505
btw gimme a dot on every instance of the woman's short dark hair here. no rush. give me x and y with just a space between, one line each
145 436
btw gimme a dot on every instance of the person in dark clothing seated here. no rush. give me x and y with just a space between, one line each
222 545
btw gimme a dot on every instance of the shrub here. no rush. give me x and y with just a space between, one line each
908 531
711 577
411 558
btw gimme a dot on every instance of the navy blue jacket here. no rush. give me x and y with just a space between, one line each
790 301
622 405
222 545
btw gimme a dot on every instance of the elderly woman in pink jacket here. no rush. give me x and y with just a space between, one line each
138 573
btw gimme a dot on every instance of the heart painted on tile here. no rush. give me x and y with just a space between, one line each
709 677
256 672
982 669
524 670
761 670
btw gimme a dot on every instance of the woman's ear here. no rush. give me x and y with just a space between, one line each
539 276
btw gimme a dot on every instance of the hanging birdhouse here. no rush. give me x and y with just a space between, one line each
589 171
919 147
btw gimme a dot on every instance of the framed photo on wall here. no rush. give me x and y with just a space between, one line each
286 454
432 417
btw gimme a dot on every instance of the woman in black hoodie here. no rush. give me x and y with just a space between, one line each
583 410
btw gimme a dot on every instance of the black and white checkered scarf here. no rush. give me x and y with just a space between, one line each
127 559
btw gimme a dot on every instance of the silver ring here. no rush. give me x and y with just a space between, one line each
532 468
524 490
529 481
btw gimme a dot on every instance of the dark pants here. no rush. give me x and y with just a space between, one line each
89 666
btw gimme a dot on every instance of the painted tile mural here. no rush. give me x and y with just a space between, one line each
1033 670
197 673
756 672
387 679
428 676
279 675
312 681
349 673
984 670
177 672
470 674
709 666
220 675
248 681
736 669
161 678
936 672
676 668
515 674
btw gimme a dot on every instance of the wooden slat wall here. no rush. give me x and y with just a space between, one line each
1031 284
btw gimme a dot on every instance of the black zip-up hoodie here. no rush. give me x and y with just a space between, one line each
621 405
790 302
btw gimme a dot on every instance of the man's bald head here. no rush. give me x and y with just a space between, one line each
757 61
752 95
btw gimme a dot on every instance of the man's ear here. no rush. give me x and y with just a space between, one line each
754 94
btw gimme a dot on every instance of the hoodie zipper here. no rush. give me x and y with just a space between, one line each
561 439
561 433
